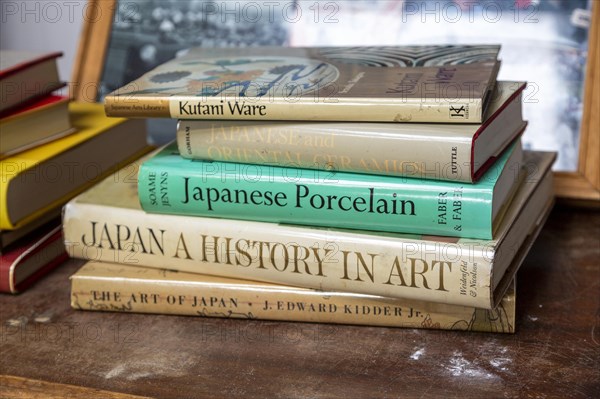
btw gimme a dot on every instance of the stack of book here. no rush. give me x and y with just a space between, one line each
50 151
380 186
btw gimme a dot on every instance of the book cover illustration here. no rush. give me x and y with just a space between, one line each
286 83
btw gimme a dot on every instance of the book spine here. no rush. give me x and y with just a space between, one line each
6 281
327 147
133 107
444 272
31 261
181 297
266 193
5 222
303 109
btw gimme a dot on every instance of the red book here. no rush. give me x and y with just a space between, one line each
31 107
25 76
31 259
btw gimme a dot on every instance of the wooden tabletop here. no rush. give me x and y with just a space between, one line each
50 350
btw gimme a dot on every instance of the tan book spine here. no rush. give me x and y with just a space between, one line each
150 107
436 110
329 147
113 287
336 260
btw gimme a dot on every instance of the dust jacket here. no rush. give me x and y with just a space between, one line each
449 84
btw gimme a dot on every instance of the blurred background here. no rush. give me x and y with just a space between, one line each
543 41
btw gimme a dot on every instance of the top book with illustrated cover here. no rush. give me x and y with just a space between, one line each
446 84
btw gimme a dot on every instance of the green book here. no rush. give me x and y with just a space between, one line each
171 184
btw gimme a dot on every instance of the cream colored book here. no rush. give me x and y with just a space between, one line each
107 224
454 152
125 288
449 84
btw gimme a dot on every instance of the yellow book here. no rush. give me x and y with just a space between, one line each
43 178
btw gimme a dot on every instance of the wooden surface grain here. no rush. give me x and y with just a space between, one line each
555 352
27 388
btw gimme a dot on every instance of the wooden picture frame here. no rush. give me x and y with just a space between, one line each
583 184
93 45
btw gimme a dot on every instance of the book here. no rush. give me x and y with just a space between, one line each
171 184
31 259
42 121
118 288
455 152
107 224
25 76
43 178
449 84
8 238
